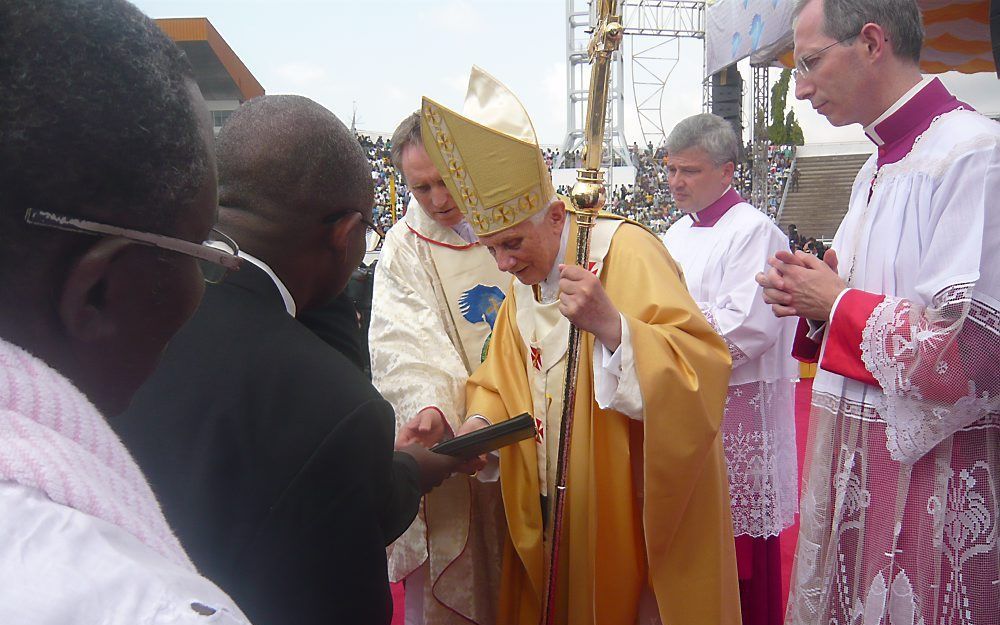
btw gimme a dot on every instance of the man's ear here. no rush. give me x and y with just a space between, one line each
342 241
83 306
338 236
874 39
557 213
728 171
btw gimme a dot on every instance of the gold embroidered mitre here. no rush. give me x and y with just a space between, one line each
488 155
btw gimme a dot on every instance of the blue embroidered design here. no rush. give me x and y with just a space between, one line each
481 303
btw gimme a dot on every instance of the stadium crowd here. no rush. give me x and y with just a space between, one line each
648 201
383 172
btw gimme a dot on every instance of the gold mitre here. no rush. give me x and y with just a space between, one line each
488 155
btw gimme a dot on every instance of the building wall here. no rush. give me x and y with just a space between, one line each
220 111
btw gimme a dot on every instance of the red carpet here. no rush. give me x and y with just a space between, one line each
397 603
803 392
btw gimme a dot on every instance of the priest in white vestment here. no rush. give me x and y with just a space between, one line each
722 245
899 509
436 296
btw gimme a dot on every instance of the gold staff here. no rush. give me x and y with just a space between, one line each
588 198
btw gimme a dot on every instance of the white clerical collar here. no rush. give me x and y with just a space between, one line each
464 230
549 287
286 296
870 128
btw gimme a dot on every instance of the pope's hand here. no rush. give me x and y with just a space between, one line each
427 428
583 300
477 463
472 425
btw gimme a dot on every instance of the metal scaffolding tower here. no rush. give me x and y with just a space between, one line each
759 189
580 20
655 28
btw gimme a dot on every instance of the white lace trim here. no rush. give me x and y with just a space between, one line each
735 353
758 438
899 569
895 342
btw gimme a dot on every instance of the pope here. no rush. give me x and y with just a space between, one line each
648 534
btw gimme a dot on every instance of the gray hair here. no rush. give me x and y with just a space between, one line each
97 121
710 133
900 19
540 216
405 135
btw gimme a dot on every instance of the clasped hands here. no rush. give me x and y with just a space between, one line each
801 285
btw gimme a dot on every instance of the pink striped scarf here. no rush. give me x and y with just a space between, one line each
53 439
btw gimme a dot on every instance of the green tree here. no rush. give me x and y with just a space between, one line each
779 100
793 130
784 129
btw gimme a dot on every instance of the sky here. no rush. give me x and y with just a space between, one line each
374 59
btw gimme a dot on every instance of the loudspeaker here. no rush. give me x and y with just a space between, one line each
727 96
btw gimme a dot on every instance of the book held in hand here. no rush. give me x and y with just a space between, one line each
489 438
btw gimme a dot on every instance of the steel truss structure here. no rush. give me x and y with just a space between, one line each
759 189
654 28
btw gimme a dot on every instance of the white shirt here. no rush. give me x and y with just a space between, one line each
59 566
758 427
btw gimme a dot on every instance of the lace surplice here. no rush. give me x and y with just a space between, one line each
758 429
900 504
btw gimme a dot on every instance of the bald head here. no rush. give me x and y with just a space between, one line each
287 166
285 160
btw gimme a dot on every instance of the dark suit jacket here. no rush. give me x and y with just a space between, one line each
336 323
272 457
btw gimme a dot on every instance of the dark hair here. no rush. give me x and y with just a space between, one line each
277 152
901 20
405 135
97 119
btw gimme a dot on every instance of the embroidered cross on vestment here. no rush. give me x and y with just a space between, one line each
536 358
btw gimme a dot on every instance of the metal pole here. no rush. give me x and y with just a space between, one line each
588 196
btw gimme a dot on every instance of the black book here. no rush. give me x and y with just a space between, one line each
489 438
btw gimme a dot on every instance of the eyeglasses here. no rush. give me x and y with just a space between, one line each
217 256
370 246
807 63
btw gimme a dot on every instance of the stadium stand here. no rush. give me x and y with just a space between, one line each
818 203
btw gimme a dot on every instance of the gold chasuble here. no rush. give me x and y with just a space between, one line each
648 501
